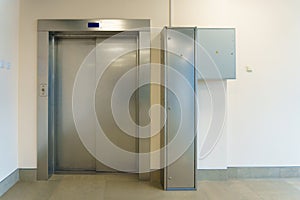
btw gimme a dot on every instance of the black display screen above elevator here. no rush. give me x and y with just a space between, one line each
93 25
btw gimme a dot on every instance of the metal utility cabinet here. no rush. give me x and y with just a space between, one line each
179 80
188 55
216 53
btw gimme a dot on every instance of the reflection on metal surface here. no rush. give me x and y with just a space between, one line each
180 127
82 25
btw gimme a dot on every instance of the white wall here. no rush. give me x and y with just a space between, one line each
263 109
263 106
212 144
9 35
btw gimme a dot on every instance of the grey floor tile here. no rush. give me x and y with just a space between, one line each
295 182
274 189
78 187
227 190
278 186
38 190
240 190
131 190
127 187
120 177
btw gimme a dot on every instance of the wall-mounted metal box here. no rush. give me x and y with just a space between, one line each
216 53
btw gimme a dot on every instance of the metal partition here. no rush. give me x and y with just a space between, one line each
49 32
189 55
179 79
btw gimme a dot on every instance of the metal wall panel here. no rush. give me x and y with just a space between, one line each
122 51
51 104
216 53
70 152
144 95
42 106
180 105
82 24
212 51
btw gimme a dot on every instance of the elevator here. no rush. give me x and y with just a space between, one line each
80 65
94 110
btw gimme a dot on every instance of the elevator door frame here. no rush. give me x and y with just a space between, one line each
46 28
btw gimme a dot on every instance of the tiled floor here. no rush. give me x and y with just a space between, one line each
127 187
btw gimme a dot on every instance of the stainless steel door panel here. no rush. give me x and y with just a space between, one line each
121 51
180 113
70 152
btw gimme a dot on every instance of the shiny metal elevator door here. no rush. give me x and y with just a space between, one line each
123 53
70 153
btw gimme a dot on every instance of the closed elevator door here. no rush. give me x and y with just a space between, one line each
71 52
